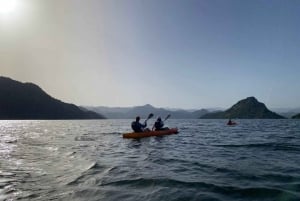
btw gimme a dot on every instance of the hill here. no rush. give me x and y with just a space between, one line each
286 112
248 108
297 116
29 101
143 111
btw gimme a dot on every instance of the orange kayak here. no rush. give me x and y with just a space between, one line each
151 133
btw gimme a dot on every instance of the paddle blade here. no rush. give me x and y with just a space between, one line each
150 116
167 117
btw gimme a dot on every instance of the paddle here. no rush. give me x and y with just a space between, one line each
149 117
167 117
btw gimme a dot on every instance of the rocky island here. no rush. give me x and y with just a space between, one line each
248 108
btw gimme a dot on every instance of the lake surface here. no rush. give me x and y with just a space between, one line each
207 160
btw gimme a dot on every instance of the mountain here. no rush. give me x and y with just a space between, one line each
287 112
143 111
296 116
248 108
28 101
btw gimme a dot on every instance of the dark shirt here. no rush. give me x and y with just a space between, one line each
159 125
138 127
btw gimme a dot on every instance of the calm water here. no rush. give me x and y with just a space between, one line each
207 160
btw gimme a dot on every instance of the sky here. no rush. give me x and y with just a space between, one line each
188 54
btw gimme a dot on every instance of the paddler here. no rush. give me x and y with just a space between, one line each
159 125
230 122
138 127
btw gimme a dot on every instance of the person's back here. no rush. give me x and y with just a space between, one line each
159 124
137 126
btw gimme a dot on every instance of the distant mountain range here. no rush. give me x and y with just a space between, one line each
248 108
286 112
28 101
143 111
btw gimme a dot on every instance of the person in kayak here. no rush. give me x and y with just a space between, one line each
230 122
159 125
138 127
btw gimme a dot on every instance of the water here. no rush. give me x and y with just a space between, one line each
207 160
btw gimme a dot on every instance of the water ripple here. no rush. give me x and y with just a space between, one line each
207 160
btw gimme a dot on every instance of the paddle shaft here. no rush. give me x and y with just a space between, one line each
167 117
149 117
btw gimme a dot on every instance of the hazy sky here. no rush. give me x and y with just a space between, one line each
169 53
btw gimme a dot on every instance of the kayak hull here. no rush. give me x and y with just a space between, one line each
151 133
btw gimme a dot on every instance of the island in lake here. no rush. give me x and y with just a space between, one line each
249 108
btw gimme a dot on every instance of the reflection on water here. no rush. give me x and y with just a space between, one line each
207 160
